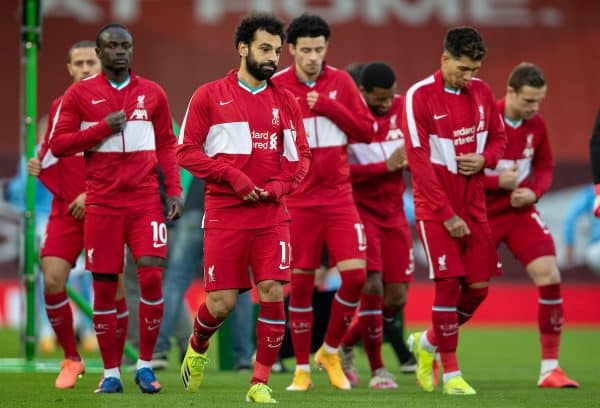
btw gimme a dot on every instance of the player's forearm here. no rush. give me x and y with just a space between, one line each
168 165
194 160
65 143
424 175
356 126
542 179
491 182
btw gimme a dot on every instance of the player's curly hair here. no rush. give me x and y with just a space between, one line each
526 74
253 22
377 75
465 41
307 25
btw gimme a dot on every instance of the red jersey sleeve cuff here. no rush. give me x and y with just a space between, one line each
445 213
492 182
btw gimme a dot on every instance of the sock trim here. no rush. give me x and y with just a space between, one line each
369 312
206 326
151 302
58 305
300 309
550 301
443 309
104 312
122 315
269 321
344 302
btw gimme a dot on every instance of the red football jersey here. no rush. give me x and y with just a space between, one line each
121 168
375 189
529 149
442 124
64 177
230 126
340 115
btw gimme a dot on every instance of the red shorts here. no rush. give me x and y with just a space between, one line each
338 228
230 254
389 248
107 231
525 234
64 234
473 257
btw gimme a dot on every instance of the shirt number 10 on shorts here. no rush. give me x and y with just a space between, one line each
159 234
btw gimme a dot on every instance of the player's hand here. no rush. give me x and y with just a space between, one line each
397 160
457 227
470 163
522 197
311 98
174 207
509 178
116 121
77 207
272 192
255 195
34 167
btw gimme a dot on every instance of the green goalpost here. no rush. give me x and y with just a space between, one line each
30 42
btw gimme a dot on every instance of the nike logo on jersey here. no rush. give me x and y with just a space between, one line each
158 244
438 117
223 103
97 101
152 328
284 266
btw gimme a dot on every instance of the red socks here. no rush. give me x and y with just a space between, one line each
370 321
150 309
550 319
344 305
205 326
122 323
445 321
301 315
270 329
105 321
58 309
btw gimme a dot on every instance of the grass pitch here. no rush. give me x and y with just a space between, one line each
500 363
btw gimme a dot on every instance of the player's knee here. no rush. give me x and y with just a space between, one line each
373 284
395 300
150 261
544 271
477 294
54 282
352 284
220 306
270 291
150 281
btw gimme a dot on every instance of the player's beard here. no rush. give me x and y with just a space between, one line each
257 70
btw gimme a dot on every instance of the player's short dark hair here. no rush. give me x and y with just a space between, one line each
377 75
308 25
108 27
253 22
80 44
465 41
526 74
355 69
